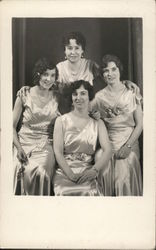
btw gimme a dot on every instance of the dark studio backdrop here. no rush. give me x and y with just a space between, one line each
33 38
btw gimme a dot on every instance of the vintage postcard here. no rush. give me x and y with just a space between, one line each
102 43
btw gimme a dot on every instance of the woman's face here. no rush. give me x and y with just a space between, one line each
80 98
73 51
111 73
47 79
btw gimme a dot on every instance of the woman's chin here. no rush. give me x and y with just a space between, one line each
47 86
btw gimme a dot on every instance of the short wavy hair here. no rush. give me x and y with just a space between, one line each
78 36
40 67
70 89
111 58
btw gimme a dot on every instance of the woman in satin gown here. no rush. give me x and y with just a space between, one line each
121 110
76 135
33 151
75 66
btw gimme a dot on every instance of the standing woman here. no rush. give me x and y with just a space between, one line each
75 67
121 110
33 152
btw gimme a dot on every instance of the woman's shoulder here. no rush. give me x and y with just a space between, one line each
25 96
32 89
63 121
101 93
63 117
62 63
94 121
131 86
133 91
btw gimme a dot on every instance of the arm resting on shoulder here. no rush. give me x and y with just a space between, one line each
130 85
23 91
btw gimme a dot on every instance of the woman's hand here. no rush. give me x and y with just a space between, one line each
74 177
23 91
130 85
87 175
21 155
95 114
123 152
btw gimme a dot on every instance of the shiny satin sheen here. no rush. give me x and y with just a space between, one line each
79 149
117 111
35 137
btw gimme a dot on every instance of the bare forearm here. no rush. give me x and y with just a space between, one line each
15 139
135 135
103 160
63 164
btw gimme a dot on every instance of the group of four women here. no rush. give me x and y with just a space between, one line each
72 142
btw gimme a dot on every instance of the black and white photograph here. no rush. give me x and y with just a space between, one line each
78 105
93 148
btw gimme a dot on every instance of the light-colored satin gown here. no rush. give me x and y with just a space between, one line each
122 176
65 77
84 72
79 149
35 137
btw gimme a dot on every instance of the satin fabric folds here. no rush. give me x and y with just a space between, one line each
35 137
122 176
79 149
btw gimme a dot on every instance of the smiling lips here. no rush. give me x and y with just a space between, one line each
73 57
79 103
47 83
111 78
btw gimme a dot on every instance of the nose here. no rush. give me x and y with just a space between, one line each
48 78
78 96
73 50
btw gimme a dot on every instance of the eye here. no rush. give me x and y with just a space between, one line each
69 47
83 93
114 69
74 94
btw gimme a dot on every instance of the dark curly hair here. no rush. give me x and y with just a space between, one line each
111 58
40 67
80 39
68 90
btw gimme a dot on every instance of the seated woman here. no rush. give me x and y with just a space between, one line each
76 136
33 152
121 110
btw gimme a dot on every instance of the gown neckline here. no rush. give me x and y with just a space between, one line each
45 105
77 128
